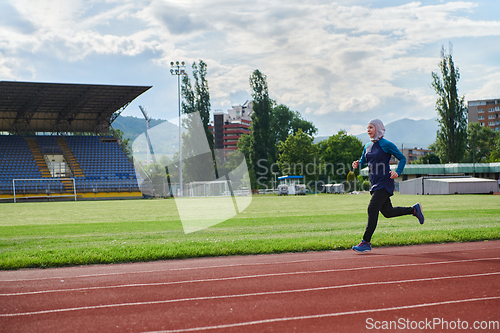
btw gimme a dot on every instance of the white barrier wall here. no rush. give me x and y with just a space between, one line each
459 185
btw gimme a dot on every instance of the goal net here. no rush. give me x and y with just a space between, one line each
214 188
44 187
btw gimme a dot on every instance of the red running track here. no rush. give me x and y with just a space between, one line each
415 288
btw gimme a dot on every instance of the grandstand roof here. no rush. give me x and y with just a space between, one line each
62 107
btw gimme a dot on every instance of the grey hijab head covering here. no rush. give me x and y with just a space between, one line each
379 129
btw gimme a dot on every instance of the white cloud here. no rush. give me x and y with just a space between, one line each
486 86
321 58
8 67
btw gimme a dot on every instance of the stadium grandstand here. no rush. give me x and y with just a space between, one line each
57 142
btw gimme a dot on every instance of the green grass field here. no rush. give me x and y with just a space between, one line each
51 234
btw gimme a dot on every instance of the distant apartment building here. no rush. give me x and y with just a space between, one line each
228 127
411 154
414 154
486 112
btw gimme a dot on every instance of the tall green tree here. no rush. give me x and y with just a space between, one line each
451 139
480 143
336 155
495 151
262 148
431 158
285 122
125 144
298 155
203 98
197 99
198 164
244 146
271 124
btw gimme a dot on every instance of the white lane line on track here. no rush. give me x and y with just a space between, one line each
326 315
169 270
265 293
336 270
356 256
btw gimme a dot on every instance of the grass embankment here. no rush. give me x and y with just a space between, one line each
93 232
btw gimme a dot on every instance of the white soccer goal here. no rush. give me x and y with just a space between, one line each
42 186
214 188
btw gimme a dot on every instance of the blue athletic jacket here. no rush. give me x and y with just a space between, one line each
377 155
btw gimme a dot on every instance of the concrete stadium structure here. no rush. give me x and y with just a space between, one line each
448 185
447 178
57 143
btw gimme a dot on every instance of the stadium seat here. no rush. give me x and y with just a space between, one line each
99 161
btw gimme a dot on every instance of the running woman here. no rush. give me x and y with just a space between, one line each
376 155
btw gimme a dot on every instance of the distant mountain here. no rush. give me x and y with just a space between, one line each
163 134
320 138
405 132
132 127
408 133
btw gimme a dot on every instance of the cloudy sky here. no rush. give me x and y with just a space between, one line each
340 63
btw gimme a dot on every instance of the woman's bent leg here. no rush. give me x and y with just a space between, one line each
388 211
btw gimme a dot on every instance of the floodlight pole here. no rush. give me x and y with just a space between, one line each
148 141
178 68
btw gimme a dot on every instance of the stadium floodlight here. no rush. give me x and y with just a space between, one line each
179 68
148 142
